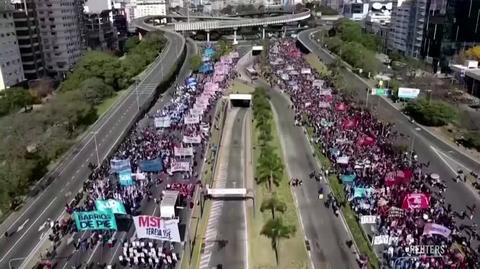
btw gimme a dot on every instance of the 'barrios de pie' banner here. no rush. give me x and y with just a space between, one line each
156 228
95 220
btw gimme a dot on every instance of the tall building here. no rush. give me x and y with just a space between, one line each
407 27
452 25
61 33
11 70
334 4
28 36
100 30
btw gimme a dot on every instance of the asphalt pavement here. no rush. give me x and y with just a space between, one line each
444 159
230 243
27 227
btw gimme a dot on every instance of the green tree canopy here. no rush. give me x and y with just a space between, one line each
276 229
12 99
430 113
95 90
196 62
273 204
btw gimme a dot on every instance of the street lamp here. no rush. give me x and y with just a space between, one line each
136 94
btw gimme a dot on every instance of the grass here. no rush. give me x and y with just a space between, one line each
107 103
198 225
241 87
292 251
313 61
361 240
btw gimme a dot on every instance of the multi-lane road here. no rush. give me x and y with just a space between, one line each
230 241
444 159
26 227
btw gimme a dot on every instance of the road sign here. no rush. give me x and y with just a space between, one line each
379 91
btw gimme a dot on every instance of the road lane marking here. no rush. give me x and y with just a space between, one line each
21 216
28 229
443 159
22 226
119 243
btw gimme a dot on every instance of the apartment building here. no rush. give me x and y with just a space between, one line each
149 7
407 27
28 36
61 33
11 69
98 21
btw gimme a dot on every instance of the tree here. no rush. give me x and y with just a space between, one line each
273 204
196 62
131 43
228 10
11 100
430 113
94 90
269 167
276 230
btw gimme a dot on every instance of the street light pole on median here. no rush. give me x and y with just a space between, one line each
136 93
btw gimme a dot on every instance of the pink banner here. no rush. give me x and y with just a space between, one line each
349 124
341 107
398 177
433 228
365 141
415 201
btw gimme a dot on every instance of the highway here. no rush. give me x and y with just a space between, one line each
444 159
69 257
27 226
229 249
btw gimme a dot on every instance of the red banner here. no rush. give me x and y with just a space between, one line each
341 107
398 177
415 201
349 123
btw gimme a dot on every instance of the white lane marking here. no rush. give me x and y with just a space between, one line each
23 235
22 226
93 252
20 217
452 159
443 159
119 243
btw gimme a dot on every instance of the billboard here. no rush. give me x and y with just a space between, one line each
408 93
152 227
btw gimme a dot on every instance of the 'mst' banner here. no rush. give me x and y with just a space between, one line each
95 220
156 228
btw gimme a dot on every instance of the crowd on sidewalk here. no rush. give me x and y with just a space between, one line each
165 155
392 190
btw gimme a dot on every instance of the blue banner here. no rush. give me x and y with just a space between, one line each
346 179
118 166
362 192
125 178
209 52
95 220
111 204
150 165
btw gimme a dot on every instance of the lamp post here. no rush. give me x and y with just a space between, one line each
136 94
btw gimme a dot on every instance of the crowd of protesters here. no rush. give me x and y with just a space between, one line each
394 186
152 142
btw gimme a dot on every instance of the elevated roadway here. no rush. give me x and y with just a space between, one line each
27 227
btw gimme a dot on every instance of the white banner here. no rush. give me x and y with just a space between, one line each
162 122
368 219
180 167
306 71
325 92
343 160
156 228
192 139
190 119
384 240
183 151
195 112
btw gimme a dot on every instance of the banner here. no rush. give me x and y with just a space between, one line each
190 119
368 219
116 207
150 165
323 104
192 139
326 123
183 151
349 123
362 192
120 165
398 177
95 220
384 240
306 71
162 122
125 178
433 228
180 167
325 92
343 160
408 93
341 107
156 228
379 91
196 112
415 201
318 83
